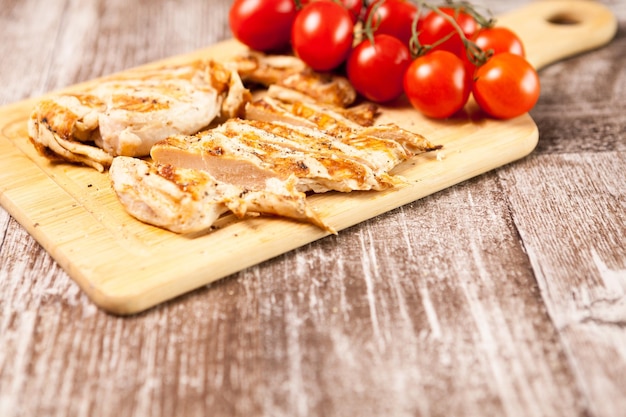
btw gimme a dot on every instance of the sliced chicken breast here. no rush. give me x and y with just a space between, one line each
344 124
289 79
188 200
127 114
339 156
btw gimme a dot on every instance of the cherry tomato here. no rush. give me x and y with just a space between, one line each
506 86
264 25
322 35
436 27
494 40
499 39
393 17
376 70
354 7
436 84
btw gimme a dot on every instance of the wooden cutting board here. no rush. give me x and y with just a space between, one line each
126 266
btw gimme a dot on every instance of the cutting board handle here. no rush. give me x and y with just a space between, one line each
555 29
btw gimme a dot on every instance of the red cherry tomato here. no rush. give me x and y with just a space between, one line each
506 86
436 84
495 40
393 17
376 70
264 25
436 27
499 39
354 7
322 35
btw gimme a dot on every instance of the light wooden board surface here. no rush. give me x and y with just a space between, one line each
126 266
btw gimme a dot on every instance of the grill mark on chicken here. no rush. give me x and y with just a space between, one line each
364 150
368 165
139 104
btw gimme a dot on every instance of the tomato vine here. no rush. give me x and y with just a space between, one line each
385 48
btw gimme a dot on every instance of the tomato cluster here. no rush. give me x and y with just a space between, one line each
436 56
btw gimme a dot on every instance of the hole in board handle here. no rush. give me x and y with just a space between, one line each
564 18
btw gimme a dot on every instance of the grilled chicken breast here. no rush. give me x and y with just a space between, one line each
262 157
127 114
246 155
288 78
188 200
310 114
322 149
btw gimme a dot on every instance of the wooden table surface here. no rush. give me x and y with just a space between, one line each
502 296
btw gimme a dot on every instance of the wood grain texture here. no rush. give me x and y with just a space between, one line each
503 296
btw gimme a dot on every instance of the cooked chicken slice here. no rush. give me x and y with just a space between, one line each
187 200
258 68
335 122
378 155
319 159
318 87
363 114
244 151
126 114
271 109
246 163
62 128
268 109
411 142
290 79
326 118
156 200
